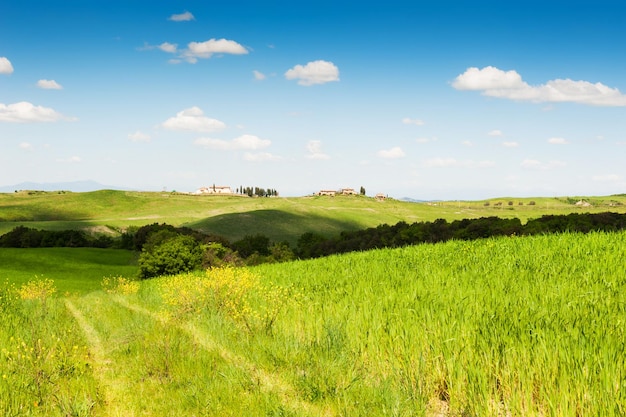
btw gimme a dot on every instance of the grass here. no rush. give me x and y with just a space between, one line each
75 270
522 326
281 219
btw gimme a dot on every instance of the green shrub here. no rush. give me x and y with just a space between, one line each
173 256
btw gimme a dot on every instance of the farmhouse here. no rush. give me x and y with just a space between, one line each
347 191
221 189
331 193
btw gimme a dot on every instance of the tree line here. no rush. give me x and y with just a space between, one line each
165 249
311 245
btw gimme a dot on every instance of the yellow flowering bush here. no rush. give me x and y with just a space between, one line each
237 293
120 285
39 289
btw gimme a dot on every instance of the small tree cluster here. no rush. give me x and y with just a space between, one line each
257 191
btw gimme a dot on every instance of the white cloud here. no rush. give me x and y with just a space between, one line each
393 153
467 143
315 72
510 144
168 47
558 141
139 136
182 17
49 85
494 82
542 166
211 47
244 142
25 112
26 146
193 119
260 156
258 75
315 150
409 121
5 66
495 132
452 162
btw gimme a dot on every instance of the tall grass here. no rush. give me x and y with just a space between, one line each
44 360
521 326
527 326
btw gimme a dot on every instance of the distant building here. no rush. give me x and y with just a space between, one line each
331 193
347 191
221 189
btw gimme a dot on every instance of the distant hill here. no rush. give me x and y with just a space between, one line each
76 186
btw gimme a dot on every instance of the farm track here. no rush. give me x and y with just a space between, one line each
103 371
269 381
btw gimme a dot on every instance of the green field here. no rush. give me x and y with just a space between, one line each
523 326
280 219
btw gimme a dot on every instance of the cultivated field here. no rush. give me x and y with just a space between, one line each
280 219
523 326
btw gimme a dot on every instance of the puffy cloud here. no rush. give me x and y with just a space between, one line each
542 166
315 150
495 132
494 82
260 156
409 121
258 75
25 112
510 144
139 136
193 119
168 47
182 17
211 47
315 72
5 66
558 141
49 85
393 153
488 78
26 146
244 142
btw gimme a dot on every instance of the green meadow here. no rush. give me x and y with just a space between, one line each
514 326
280 219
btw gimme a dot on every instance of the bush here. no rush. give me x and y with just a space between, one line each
173 256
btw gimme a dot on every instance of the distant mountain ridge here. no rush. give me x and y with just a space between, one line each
75 186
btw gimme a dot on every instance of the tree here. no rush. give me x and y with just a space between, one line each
362 192
173 256
252 244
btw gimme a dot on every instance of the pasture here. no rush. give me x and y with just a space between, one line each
280 219
522 326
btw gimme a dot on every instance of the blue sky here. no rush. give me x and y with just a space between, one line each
422 99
